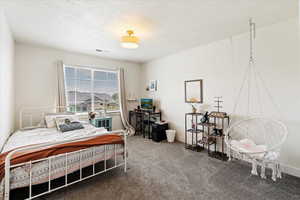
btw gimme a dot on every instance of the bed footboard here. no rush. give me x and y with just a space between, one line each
84 159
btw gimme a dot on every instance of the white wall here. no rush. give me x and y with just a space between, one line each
6 80
221 65
36 75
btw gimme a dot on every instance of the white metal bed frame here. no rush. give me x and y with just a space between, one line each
9 167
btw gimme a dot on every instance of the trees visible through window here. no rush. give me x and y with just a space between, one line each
91 89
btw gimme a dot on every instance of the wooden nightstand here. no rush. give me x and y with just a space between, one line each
105 122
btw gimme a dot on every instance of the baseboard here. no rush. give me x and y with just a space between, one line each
285 168
290 170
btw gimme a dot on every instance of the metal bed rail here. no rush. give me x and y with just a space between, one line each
35 114
9 167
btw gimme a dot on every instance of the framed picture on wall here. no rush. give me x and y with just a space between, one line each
193 91
153 85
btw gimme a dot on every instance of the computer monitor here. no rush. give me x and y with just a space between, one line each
146 103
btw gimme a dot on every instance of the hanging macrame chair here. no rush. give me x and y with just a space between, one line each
252 136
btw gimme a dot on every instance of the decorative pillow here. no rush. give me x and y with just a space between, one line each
64 120
61 120
65 124
70 127
50 118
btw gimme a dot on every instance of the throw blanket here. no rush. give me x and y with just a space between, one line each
25 156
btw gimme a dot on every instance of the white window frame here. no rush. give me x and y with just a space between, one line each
92 69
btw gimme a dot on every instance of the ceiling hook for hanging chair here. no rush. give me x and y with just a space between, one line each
252 27
252 32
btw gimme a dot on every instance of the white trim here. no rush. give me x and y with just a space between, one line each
93 92
65 82
92 69
109 69
290 170
109 113
293 171
287 169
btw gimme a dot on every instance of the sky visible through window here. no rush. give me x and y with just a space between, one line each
91 90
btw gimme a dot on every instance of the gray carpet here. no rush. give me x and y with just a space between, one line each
168 171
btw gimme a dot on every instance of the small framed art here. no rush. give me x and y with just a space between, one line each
153 85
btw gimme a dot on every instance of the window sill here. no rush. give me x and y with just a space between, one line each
114 113
117 112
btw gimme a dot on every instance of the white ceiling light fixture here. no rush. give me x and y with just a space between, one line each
101 51
129 41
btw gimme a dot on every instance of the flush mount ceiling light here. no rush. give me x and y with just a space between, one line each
101 51
129 41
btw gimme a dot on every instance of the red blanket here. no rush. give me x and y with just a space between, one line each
25 156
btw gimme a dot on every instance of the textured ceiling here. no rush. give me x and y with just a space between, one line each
164 26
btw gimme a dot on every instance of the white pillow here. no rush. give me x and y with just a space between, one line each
247 145
50 119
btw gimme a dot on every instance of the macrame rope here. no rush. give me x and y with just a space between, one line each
247 77
253 77
258 91
252 73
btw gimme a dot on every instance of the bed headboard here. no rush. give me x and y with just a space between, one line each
31 117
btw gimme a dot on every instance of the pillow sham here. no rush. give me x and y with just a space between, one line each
50 119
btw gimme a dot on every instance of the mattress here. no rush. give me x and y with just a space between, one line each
42 135
19 176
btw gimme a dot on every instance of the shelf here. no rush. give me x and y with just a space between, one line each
206 141
194 131
207 124
198 114
194 147
208 136
216 136
219 156
220 115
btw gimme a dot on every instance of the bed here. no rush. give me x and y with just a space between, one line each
40 154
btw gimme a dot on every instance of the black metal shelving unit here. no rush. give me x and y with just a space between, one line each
202 133
219 119
193 131
206 139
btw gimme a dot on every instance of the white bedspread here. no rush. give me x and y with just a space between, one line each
19 176
42 135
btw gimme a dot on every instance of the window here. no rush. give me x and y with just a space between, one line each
91 89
